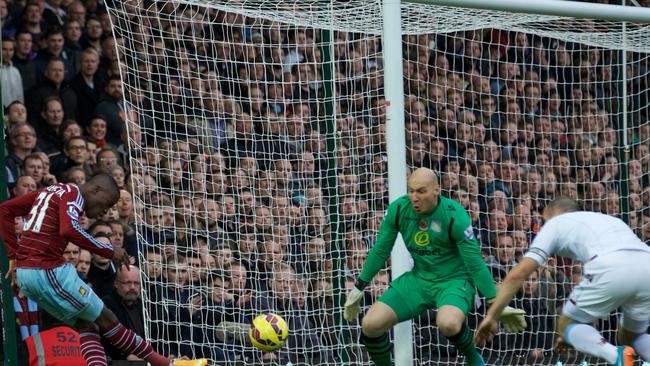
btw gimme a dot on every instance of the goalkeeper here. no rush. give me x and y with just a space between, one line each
447 268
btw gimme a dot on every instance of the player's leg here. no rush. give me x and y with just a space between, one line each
454 303
126 340
604 288
402 301
633 324
90 343
374 332
575 329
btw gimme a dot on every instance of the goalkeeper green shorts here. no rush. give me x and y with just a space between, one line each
409 295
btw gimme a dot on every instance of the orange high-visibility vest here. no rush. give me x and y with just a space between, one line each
55 347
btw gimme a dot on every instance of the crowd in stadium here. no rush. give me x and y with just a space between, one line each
227 184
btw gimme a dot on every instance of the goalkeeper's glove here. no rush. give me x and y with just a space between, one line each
351 307
513 320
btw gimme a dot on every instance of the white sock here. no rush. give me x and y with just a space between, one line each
587 339
642 346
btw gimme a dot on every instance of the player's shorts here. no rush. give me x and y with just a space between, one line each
615 280
61 293
409 295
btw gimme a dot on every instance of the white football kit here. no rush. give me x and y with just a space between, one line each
616 266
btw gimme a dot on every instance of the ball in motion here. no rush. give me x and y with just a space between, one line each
268 332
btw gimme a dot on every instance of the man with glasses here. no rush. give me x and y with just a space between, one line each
125 301
23 143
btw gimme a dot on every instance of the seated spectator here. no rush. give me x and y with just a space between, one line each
101 274
50 122
92 34
53 14
96 131
125 302
23 58
107 158
34 167
69 128
24 184
55 49
75 175
302 344
23 143
83 265
12 81
111 108
75 155
15 113
88 84
71 254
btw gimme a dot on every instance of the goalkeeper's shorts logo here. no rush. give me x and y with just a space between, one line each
421 238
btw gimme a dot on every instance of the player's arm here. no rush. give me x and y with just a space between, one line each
462 234
544 244
9 210
375 261
511 285
380 252
70 229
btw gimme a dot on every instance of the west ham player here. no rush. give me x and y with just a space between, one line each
615 265
44 276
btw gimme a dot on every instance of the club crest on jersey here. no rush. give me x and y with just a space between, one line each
469 233
421 238
423 225
82 291
436 226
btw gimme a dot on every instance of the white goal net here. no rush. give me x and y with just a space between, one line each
260 178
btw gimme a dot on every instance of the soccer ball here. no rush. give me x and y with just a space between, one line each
268 332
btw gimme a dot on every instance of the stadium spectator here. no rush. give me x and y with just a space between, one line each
23 143
24 184
12 81
52 86
83 264
88 84
111 107
55 49
53 13
126 303
71 254
23 58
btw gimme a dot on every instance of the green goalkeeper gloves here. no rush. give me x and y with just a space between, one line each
351 308
513 320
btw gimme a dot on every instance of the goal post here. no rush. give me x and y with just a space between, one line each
561 8
276 132
396 151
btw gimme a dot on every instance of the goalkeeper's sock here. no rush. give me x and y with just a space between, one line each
642 346
587 339
130 343
378 349
91 348
465 345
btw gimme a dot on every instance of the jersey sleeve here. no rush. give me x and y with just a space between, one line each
545 243
69 211
462 234
385 241
9 210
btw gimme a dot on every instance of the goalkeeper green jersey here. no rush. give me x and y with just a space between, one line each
442 244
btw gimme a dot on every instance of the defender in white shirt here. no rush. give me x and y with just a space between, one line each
616 269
